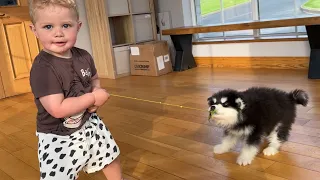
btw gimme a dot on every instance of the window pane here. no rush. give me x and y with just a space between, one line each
8 2
239 33
311 4
208 12
212 12
280 30
281 9
237 11
276 9
218 12
302 29
302 13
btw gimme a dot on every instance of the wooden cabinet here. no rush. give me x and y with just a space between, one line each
121 56
143 29
121 30
2 93
18 47
114 26
140 6
117 7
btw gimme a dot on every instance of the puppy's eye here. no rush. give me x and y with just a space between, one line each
225 104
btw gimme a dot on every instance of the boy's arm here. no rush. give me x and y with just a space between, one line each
46 85
59 107
95 82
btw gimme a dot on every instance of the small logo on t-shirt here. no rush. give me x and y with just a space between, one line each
86 72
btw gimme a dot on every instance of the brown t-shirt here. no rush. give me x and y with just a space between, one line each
69 76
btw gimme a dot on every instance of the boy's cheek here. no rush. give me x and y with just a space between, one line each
42 37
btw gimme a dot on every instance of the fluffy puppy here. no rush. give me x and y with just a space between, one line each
253 115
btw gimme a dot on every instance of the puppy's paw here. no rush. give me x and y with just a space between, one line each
244 160
270 151
219 149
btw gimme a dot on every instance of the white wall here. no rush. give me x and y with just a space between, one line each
181 15
83 40
187 14
256 49
174 7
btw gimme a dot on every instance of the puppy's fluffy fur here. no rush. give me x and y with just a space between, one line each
253 115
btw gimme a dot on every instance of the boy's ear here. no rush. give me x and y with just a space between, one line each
33 29
79 25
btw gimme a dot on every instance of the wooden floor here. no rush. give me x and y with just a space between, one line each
162 142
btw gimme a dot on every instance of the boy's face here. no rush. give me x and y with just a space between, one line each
56 27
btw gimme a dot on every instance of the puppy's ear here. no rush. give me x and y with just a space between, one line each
209 100
240 103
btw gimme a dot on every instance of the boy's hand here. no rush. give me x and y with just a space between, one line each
101 96
95 88
93 109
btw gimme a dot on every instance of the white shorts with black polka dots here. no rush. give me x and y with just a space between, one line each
89 149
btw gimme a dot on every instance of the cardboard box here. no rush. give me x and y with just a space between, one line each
150 59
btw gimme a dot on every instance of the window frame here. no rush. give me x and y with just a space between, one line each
255 17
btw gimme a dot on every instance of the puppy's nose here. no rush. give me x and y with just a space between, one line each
212 108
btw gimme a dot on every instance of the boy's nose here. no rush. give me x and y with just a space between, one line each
59 33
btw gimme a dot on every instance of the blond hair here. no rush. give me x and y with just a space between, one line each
40 4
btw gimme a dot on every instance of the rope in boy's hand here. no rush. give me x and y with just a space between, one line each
157 102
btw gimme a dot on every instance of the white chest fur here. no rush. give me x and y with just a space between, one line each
242 132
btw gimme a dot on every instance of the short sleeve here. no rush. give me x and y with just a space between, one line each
44 81
92 66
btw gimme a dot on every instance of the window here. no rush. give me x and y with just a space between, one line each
281 9
217 12
213 12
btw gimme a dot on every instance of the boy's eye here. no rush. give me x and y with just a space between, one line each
66 25
47 26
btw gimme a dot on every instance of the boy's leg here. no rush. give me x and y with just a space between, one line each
113 170
104 151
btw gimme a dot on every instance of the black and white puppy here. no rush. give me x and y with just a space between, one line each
252 115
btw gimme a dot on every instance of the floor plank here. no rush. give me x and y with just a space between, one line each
160 124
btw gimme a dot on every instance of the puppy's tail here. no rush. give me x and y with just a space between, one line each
299 97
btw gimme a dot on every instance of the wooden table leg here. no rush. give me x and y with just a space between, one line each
184 58
313 32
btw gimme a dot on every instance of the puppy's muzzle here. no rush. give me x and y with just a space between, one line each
211 110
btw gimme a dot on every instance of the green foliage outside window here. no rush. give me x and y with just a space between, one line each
212 6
